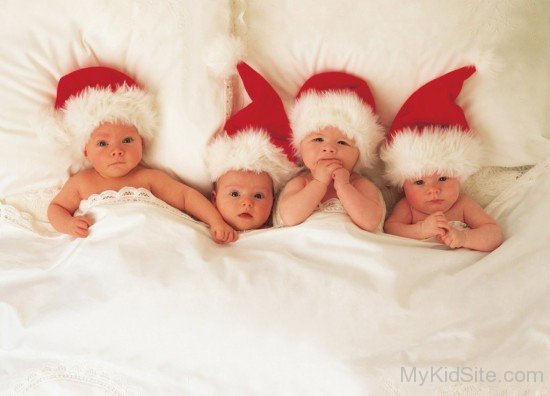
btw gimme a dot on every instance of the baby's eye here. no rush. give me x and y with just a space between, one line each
343 142
318 139
102 143
128 139
234 193
258 196
419 182
442 178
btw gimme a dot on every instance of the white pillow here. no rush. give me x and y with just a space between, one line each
397 46
160 44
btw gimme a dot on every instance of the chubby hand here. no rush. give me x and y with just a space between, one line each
341 177
222 232
324 170
453 238
435 224
78 226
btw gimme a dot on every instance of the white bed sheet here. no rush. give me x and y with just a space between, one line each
148 304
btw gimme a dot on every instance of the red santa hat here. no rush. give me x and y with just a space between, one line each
88 97
256 138
341 100
430 134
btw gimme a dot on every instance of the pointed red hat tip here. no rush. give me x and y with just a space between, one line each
433 104
266 111
90 77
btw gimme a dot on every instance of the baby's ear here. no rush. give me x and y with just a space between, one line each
213 196
85 153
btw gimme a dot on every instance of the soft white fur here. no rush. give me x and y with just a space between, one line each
223 54
130 105
450 151
341 109
250 150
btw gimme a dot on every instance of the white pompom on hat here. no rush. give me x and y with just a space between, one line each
256 138
340 100
430 134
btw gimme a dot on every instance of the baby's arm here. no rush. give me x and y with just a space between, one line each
484 233
400 223
360 198
192 202
62 208
299 199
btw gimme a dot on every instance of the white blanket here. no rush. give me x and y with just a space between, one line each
148 305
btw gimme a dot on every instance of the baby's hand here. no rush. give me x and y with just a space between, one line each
453 238
341 177
435 224
78 226
324 169
223 233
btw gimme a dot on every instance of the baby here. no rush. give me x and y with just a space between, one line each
429 150
252 158
115 118
335 133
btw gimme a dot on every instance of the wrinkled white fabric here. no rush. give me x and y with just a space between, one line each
148 304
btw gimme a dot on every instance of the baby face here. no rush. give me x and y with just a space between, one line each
114 149
326 144
244 199
432 193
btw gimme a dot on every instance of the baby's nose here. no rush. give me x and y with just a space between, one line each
433 189
117 152
247 202
329 148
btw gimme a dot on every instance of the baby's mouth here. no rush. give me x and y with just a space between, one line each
245 215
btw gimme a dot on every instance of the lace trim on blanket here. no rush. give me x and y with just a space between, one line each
333 205
11 215
126 195
61 373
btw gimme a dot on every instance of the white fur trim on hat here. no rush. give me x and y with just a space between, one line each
93 106
449 151
249 150
344 110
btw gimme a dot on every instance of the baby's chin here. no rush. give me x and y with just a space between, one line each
243 225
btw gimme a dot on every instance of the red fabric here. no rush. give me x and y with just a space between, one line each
433 104
97 77
266 111
339 81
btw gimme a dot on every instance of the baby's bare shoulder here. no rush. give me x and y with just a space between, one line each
465 201
300 179
84 177
149 174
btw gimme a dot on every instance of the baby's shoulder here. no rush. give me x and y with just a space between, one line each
402 204
148 174
295 184
301 179
81 178
467 205
464 201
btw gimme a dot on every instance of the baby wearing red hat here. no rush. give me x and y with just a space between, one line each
429 151
252 158
112 119
335 133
